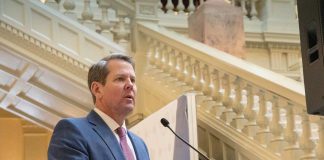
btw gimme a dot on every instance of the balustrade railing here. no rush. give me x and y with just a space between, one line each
263 105
110 18
114 18
249 7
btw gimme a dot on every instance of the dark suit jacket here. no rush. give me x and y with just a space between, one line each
90 138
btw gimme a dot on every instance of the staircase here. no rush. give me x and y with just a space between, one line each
244 111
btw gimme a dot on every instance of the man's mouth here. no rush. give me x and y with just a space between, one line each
129 97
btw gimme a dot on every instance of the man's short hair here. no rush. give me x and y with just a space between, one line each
99 71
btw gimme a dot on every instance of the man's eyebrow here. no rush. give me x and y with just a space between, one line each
125 74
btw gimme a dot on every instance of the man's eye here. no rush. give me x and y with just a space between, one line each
120 79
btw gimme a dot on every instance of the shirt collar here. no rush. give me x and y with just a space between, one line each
111 123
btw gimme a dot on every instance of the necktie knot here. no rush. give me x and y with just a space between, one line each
121 132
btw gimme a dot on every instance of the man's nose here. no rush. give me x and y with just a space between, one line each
129 85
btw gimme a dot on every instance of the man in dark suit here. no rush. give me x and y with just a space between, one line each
102 135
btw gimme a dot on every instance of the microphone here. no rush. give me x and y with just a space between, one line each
166 123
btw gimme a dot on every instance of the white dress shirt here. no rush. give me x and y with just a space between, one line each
112 124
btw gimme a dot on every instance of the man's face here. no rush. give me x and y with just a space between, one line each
117 96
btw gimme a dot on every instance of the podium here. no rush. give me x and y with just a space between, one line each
160 141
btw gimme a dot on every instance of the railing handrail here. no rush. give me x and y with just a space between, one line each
269 80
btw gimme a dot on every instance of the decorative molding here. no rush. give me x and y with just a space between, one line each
255 45
146 9
273 45
284 46
42 50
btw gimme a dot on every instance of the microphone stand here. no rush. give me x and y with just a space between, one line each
187 143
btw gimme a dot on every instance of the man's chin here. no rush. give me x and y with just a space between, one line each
129 109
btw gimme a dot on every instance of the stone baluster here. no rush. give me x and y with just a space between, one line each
250 128
166 59
87 16
180 7
180 67
154 49
150 50
160 7
216 95
159 56
277 142
53 4
227 101
243 6
238 121
253 12
122 34
292 150
207 87
69 6
263 134
191 6
173 63
188 71
306 142
320 144
169 6
166 78
104 24
197 78
183 69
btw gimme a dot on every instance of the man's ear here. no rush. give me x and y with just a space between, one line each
96 89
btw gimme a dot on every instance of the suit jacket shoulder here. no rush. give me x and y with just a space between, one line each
89 138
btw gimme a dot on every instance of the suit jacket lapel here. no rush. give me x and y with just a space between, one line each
101 128
136 148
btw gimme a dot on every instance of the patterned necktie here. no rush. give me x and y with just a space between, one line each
123 144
